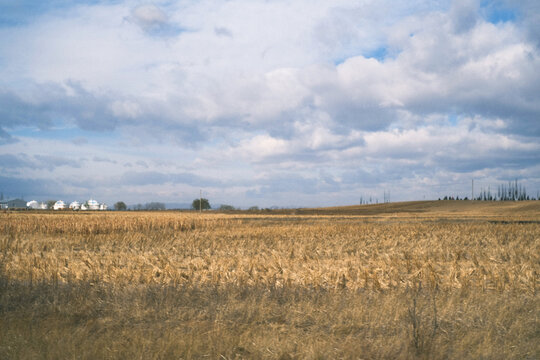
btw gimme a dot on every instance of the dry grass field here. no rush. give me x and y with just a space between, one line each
429 280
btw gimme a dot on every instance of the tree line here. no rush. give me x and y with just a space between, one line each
513 191
121 206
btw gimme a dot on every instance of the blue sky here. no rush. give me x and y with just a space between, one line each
268 103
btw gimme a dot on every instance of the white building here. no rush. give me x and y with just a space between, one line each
37 206
92 204
32 205
59 205
75 205
84 207
103 206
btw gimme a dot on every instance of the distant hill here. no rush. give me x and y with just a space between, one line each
427 208
168 206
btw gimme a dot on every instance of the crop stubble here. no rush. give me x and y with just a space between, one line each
186 285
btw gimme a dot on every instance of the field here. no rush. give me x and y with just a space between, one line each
429 280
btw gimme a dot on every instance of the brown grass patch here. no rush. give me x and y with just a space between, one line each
185 285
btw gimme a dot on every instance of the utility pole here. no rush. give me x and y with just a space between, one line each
200 201
472 190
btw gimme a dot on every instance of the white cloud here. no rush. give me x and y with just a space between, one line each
262 146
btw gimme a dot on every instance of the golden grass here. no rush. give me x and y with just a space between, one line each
447 284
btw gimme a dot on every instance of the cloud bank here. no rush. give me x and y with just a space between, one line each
303 103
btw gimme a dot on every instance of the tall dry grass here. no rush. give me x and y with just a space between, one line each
181 285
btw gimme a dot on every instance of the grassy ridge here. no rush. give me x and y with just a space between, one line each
436 208
165 285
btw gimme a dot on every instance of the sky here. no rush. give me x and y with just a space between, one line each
267 102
